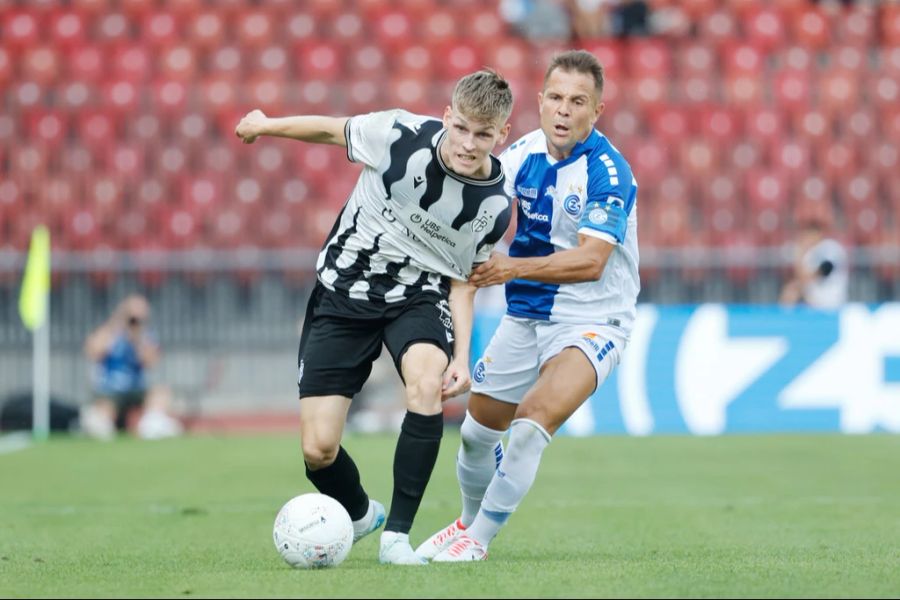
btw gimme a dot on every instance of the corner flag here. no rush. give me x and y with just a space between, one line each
36 283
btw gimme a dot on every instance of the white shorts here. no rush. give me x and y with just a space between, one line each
520 347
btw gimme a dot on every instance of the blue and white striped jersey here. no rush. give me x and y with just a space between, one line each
592 192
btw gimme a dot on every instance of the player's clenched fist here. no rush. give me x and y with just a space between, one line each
251 126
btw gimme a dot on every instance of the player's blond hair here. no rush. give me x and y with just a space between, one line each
484 96
579 61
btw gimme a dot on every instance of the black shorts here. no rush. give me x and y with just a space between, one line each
125 402
342 337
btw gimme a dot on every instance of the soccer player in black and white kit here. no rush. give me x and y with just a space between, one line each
428 205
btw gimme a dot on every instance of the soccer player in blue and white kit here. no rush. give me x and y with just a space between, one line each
571 289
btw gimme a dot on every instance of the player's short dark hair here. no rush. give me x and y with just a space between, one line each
483 95
579 61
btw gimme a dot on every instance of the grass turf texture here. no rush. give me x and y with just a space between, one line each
763 516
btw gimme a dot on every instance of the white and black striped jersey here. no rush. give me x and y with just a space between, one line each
410 223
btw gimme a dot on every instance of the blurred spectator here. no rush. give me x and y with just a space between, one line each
121 351
820 270
538 20
631 18
591 18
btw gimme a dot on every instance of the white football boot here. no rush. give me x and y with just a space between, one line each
373 520
464 549
395 550
441 540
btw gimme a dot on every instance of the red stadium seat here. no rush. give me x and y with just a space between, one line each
650 91
699 159
179 63
169 96
838 161
767 194
20 30
86 63
811 29
111 29
763 124
458 58
884 89
41 65
764 27
742 59
97 129
719 123
744 89
128 161
509 56
814 126
180 229
792 89
206 31
839 92
696 58
160 29
269 93
671 124
201 194
484 26
884 158
6 67
392 29
719 27
254 28
48 128
415 60
792 157
121 97
857 27
440 27
860 125
272 60
411 93
29 163
318 59
132 63
890 24
219 94
315 97
650 160
364 95
367 60
744 155
276 228
67 28
648 56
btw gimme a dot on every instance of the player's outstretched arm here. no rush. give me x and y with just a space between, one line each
583 263
457 379
306 128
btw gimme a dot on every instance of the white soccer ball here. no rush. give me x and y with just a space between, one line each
313 531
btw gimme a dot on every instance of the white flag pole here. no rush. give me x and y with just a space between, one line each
40 370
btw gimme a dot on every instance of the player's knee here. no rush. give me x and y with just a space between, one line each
423 394
318 454
539 414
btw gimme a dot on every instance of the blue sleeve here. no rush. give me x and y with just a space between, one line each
610 197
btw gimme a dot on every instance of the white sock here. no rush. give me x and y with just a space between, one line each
514 477
479 454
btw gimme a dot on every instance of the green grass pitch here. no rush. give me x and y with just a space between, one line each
734 516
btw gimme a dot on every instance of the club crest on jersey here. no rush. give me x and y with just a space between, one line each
572 204
598 216
478 373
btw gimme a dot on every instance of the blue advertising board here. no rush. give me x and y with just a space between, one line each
713 369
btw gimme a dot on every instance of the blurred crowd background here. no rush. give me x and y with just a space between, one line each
740 118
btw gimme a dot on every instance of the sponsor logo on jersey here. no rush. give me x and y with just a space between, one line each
478 373
533 215
418 180
527 192
572 204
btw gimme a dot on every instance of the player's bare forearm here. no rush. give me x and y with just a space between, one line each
576 265
305 128
462 308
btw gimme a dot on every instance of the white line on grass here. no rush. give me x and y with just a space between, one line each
13 442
